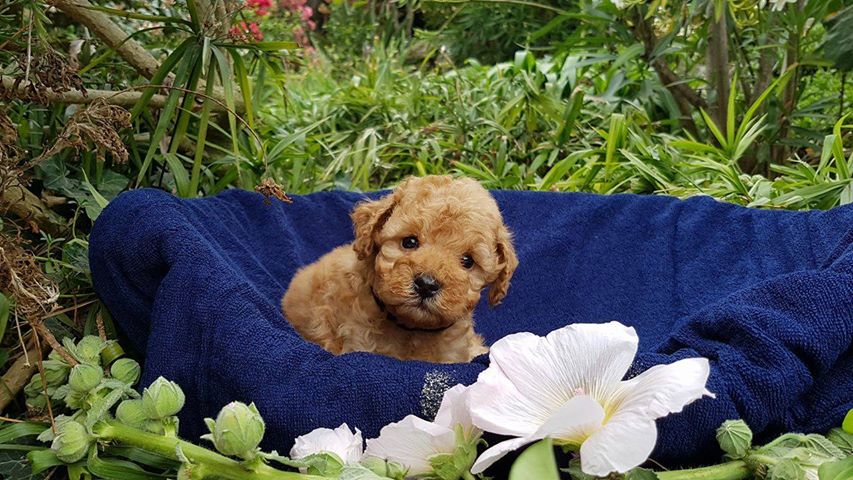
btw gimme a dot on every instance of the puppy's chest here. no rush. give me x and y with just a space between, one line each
444 347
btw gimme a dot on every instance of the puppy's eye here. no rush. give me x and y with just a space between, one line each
410 242
467 261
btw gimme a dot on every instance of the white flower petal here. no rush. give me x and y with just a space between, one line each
498 451
624 442
454 409
340 441
530 377
574 421
665 389
497 406
411 442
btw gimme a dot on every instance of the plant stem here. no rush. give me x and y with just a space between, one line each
736 470
223 467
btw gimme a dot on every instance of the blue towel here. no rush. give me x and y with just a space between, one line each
766 295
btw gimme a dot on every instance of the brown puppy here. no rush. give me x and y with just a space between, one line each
407 285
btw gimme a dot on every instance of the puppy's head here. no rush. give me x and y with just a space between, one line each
434 244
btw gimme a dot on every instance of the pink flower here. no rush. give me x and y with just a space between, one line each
292 5
243 31
306 13
261 7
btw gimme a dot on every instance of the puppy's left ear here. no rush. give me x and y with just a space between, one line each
508 262
368 217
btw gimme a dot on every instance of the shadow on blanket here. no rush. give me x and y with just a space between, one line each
766 295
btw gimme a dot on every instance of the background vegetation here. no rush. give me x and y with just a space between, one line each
743 100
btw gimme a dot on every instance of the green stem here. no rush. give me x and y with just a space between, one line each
223 467
736 470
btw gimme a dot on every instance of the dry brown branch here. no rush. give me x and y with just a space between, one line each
102 331
47 335
16 377
100 24
20 275
686 98
94 126
125 98
18 200
121 99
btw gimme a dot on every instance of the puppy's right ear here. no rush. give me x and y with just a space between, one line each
368 217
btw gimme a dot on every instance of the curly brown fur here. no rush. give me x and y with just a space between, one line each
331 302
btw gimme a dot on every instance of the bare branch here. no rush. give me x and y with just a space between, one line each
124 98
686 98
101 25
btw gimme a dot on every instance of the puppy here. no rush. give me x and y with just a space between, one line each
408 284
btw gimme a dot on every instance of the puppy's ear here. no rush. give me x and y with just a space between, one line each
368 217
508 262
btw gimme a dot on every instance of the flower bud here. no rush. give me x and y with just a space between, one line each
162 399
75 399
56 373
35 387
735 438
238 430
847 424
125 370
84 377
37 402
788 468
89 349
72 442
131 413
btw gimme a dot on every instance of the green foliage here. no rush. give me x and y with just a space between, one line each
537 461
551 96
838 45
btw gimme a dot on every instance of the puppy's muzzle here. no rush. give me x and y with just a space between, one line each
426 286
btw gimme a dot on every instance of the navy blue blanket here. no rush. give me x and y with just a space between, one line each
766 295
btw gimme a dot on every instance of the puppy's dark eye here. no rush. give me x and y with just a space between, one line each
410 242
467 261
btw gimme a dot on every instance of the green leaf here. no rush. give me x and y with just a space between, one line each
168 111
179 172
847 424
641 474
358 472
5 307
537 461
15 431
838 41
840 470
842 440
114 469
158 78
41 460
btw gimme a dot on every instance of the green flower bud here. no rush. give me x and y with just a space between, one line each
75 399
35 387
238 430
56 373
85 377
787 469
131 413
72 442
735 438
154 426
37 402
847 424
125 370
54 355
89 349
162 399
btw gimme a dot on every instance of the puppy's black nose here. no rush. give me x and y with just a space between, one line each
426 286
